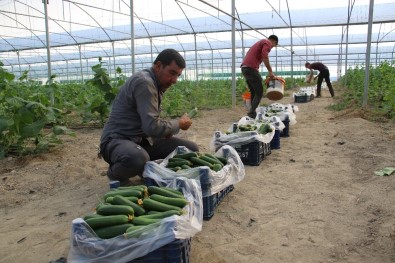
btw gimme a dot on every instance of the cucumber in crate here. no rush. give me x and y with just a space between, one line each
216 172
156 225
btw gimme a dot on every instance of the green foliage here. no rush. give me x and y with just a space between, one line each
25 111
107 86
203 94
295 82
33 116
381 88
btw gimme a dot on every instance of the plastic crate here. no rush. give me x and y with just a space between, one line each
285 131
204 176
267 149
175 252
251 153
210 203
275 142
302 98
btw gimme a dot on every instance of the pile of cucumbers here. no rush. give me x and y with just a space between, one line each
127 209
263 128
196 159
246 127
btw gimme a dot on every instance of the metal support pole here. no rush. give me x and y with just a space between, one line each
367 59
82 71
196 62
339 62
19 63
67 70
132 37
185 70
233 55
152 56
113 59
87 68
51 96
347 27
292 60
212 62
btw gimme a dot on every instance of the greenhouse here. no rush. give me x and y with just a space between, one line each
66 38
189 131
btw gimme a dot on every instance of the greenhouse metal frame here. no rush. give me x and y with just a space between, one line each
66 38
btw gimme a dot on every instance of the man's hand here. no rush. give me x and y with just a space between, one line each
271 75
184 122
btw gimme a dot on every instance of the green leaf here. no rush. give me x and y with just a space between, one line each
7 76
5 123
386 171
33 129
57 129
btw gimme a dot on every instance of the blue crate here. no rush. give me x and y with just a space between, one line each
210 203
225 192
285 131
267 149
275 142
251 153
175 252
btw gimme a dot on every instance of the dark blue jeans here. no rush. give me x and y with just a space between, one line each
254 82
127 159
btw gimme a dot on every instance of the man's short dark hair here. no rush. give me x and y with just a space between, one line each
273 37
167 56
307 64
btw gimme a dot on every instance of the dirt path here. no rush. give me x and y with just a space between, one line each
314 200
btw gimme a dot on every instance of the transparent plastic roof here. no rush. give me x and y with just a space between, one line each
80 31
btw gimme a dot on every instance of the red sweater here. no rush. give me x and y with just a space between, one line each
257 53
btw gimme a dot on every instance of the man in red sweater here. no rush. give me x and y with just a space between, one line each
258 53
324 74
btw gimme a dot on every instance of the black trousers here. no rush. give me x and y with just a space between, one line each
324 75
254 82
127 159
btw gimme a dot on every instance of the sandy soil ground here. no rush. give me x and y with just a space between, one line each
316 199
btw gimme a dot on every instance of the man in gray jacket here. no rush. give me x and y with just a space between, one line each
134 132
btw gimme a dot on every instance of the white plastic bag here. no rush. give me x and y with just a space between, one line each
86 247
284 112
242 138
211 182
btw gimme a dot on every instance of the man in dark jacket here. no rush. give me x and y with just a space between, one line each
324 74
134 132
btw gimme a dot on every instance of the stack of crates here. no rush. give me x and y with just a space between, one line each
210 203
253 153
